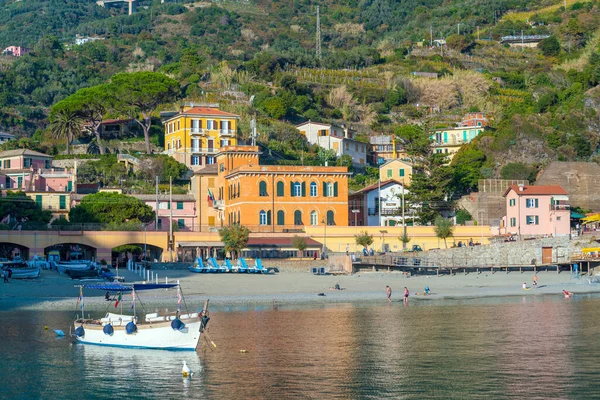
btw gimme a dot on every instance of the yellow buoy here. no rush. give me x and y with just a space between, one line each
45 328
243 351
186 371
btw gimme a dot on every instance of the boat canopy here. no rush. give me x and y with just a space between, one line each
114 287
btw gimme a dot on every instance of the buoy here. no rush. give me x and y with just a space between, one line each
80 332
59 332
45 328
186 371
243 351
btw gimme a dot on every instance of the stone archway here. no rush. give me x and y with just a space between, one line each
12 250
68 249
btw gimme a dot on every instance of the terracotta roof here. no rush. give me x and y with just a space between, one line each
22 152
147 197
280 242
208 169
547 190
209 111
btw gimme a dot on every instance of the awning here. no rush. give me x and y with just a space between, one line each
591 218
280 243
201 244
577 215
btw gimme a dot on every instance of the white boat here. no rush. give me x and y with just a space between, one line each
39 261
166 331
63 267
21 270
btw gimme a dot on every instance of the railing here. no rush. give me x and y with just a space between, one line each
197 131
226 132
560 207
385 211
219 204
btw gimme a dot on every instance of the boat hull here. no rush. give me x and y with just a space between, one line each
25 273
148 336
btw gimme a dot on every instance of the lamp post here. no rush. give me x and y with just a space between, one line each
403 220
383 232
355 212
323 252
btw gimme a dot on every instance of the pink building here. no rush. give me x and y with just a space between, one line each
537 211
31 171
16 51
474 119
182 205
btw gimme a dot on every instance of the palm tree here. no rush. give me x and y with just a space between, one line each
65 123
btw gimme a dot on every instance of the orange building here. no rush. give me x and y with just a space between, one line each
273 198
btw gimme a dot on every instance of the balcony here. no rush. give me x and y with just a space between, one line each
560 207
226 132
385 211
219 204
203 150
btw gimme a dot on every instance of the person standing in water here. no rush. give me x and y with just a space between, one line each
388 291
405 294
535 280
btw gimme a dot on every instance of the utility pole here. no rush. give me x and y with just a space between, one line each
458 27
318 38
430 36
156 215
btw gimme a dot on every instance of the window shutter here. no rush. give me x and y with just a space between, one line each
325 194
280 189
335 189
292 189
303 189
269 217
536 203
280 218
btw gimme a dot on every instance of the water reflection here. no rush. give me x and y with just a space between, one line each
543 347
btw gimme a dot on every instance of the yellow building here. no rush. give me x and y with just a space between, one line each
57 202
195 135
269 198
398 170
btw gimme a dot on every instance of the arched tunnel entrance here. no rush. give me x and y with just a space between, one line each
135 252
11 251
68 251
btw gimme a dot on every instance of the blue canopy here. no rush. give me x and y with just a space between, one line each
116 287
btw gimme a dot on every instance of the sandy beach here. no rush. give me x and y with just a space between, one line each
52 291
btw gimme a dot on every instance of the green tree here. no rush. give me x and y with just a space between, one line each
549 46
274 107
22 210
65 122
300 243
235 238
92 104
463 216
364 239
139 94
443 228
467 165
111 208
416 139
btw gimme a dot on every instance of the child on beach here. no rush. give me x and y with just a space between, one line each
405 294
388 291
524 285
535 280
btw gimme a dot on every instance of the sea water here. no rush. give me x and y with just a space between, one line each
535 347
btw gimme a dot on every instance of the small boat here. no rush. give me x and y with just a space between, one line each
38 261
20 270
165 331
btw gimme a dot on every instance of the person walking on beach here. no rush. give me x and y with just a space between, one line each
388 291
405 294
535 280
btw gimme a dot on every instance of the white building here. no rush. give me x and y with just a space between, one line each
374 211
5 137
336 138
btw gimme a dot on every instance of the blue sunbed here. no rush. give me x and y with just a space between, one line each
243 265
229 267
260 268
214 266
198 266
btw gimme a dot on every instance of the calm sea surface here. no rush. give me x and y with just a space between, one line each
534 348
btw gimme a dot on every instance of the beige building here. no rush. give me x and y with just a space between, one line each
398 170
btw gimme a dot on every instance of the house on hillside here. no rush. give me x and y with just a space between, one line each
449 140
340 139
195 134
15 51
377 205
385 148
536 211
398 170
5 137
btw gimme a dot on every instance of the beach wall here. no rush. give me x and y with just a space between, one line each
525 252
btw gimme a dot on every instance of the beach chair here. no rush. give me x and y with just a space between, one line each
322 271
214 265
315 271
229 267
243 266
198 266
259 267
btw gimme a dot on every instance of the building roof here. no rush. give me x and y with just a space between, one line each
208 111
286 242
396 159
546 190
211 169
288 169
376 186
22 152
322 124
148 197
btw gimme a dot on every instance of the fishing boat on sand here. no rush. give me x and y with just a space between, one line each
166 331
20 270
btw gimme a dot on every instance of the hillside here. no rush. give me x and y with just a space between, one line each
543 103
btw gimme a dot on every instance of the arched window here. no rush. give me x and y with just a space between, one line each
280 217
329 191
262 188
280 189
313 189
238 218
238 192
298 217
297 189
314 218
330 220
262 217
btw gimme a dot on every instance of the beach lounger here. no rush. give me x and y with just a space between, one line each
229 267
243 265
260 268
214 265
198 266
